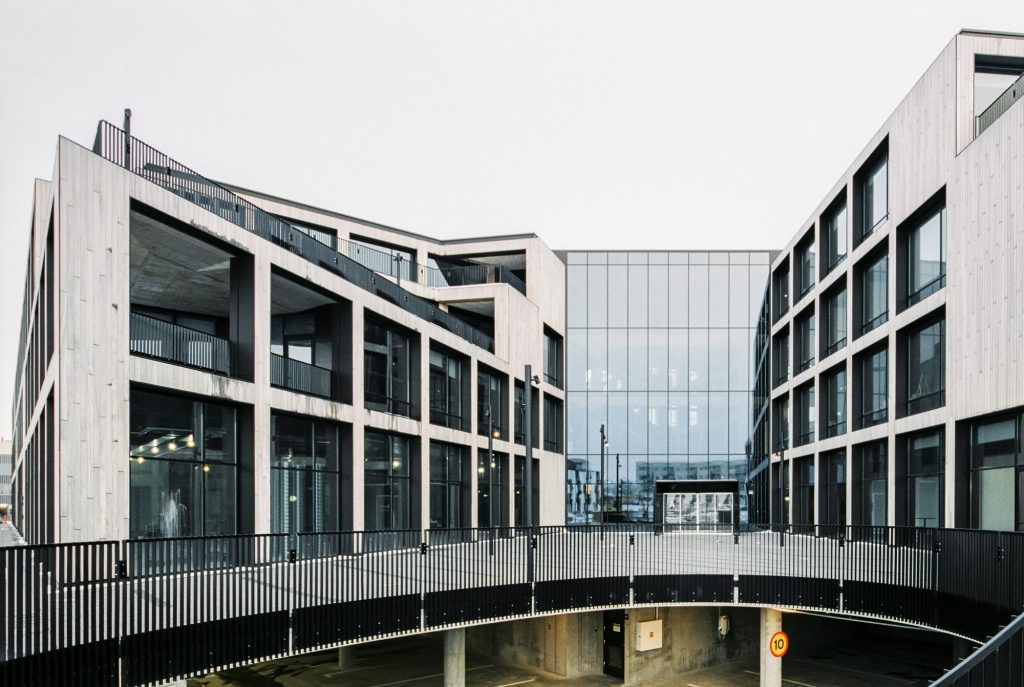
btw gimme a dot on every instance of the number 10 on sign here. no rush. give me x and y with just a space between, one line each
779 644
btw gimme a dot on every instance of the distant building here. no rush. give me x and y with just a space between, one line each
6 468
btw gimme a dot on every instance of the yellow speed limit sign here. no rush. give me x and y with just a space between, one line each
779 644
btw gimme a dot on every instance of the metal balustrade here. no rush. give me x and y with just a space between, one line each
296 375
168 341
1000 105
139 612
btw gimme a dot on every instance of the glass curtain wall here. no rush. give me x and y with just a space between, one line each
659 351
449 483
387 476
183 469
304 475
387 361
446 390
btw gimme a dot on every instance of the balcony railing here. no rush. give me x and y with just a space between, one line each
129 152
155 338
1001 104
296 375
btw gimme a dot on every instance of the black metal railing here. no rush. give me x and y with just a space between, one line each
139 158
155 338
139 612
468 275
1000 105
296 375
999 661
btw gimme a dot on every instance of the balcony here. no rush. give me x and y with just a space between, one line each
287 373
1001 105
154 338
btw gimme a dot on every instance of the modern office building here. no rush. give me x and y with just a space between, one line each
6 465
201 360
890 350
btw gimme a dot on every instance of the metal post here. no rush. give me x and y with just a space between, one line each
490 466
528 438
600 500
127 138
618 486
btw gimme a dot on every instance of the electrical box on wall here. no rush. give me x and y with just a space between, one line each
648 635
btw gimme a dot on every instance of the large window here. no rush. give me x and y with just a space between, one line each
833 236
803 491
184 467
997 474
449 486
780 423
491 478
924 483
780 291
874 293
805 342
833 308
446 390
780 357
874 195
872 480
833 487
491 403
804 415
805 263
552 424
387 475
925 256
834 391
552 358
304 475
925 367
873 370
519 502
388 367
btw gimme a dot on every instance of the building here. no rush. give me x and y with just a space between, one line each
890 351
201 360
6 464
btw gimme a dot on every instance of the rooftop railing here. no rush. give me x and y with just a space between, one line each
1001 104
142 611
139 158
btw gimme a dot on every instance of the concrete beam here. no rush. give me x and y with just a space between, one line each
771 667
455 658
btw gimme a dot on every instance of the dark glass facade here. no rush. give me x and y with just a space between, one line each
304 475
387 476
659 351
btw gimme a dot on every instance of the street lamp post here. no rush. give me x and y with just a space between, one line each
490 466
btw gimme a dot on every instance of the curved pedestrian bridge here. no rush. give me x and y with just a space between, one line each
142 612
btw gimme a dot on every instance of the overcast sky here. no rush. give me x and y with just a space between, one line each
593 124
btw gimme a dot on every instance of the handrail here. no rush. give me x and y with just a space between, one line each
139 158
297 375
164 340
138 611
989 659
1012 94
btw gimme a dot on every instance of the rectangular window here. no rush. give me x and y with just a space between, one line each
805 263
492 475
552 358
304 475
997 466
834 390
805 341
804 415
834 326
780 291
448 486
803 490
874 382
833 235
491 403
926 256
446 390
552 424
519 505
183 467
872 480
387 362
387 476
874 295
925 367
780 357
874 195
925 479
833 489
780 423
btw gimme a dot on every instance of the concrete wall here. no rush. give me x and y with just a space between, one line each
569 645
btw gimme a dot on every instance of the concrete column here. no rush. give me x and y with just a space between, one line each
771 667
455 658
346 654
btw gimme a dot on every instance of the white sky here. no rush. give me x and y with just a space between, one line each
594 124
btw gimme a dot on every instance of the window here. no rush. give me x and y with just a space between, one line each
387 476
448 486
833 487
492 475
805 342
304 475
552 424
446 390
520 491
997 474
924 482
874 293
834 390
925 265
804 274
780 357
491 403
780 423
780 291
552 358
833 307
925 384
873 369
874 195
387 360
833 235
804 415
803 490
184 467
992 76
872 479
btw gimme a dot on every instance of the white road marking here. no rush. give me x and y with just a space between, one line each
425 677
521 682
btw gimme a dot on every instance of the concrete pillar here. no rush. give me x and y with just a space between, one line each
455 658
346 654
771 667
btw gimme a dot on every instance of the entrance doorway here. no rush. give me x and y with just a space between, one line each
615 643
